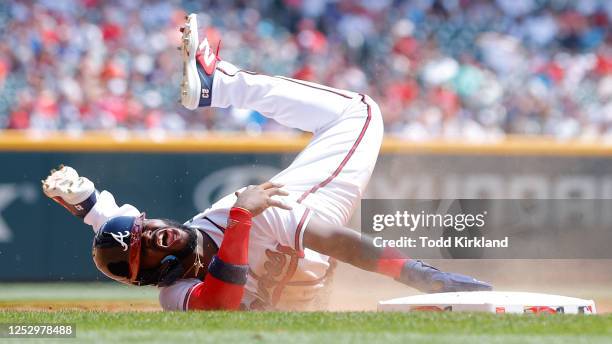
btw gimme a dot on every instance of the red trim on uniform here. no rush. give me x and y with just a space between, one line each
286 79
314 86
214 224
238 71
298 233
346 158
186 300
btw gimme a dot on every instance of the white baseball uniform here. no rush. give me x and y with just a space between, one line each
327 178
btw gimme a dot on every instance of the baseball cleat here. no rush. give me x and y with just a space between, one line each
199 63
64 186
428 279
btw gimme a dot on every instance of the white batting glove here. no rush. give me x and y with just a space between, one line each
64 186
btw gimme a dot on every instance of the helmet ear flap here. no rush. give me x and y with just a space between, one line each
170 270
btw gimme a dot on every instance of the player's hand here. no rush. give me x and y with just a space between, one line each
66 187
258 198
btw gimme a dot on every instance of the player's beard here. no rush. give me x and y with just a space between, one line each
175 270
192 244
192 241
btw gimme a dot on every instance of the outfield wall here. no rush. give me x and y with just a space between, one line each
174 177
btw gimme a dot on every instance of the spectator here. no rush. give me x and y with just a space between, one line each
467 69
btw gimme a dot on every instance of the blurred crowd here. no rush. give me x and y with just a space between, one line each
473 69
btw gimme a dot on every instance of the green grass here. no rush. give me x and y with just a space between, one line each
74 291
278 327
274 327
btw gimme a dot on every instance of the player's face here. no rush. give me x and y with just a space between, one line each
160 239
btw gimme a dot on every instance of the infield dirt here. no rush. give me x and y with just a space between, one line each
352 290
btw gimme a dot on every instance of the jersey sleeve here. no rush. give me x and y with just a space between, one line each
106 208
176 296
286 226
193 294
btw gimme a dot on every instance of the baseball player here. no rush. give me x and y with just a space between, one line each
265 247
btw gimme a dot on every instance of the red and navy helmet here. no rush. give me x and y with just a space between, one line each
116 248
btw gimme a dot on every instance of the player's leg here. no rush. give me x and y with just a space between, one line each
330 175
358 250
208 81
292 103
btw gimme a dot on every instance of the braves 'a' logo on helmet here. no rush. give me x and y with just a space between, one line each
119 238
116 248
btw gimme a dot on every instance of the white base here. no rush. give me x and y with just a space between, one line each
490 302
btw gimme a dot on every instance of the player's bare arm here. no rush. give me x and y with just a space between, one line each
351 247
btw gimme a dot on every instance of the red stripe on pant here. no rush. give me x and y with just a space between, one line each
346 158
